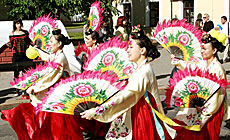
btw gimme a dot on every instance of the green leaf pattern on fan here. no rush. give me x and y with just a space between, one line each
192 89
110 58
44 35
182 37
80 90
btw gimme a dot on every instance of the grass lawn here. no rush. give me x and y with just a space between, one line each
76 25
76 36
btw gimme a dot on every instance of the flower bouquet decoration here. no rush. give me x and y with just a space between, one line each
112 57
41 31
180 38
193 87
31 76
81 92
95 17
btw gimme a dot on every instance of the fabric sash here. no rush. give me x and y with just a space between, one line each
169 121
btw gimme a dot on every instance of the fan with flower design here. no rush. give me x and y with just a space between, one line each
180 38
111 56
193 87
95 17
31 76
41 31
81 92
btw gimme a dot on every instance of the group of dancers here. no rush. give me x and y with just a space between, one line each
134 113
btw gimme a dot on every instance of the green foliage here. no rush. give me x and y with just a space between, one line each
31 9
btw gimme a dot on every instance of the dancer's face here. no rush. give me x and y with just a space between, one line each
54 44
134 51
89 42
207 51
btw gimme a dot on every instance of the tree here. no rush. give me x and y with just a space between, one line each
31 9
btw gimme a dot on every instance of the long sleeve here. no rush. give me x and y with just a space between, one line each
44 56
52 77
127 98
74 64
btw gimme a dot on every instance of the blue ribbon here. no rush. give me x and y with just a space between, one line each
159 128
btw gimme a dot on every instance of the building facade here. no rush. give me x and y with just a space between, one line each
149 12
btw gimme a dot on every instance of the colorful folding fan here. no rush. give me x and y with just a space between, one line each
31 76
180 38
111 56
192 87
95 17
82 52
80 92
41 31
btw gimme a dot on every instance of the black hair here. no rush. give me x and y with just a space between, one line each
60 37
144 41
224 17
17 21
215 43
94 35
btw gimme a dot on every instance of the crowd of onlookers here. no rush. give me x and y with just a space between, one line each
207 25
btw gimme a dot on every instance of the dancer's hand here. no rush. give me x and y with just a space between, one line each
30 91
88 114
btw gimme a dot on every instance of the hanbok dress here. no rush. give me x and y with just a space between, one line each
213 112
32 125
130 113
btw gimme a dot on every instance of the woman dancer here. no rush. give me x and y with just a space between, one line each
45 125
130 112
216 107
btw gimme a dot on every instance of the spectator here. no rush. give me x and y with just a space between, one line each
121 28
224 28
19 42
208 24
199 21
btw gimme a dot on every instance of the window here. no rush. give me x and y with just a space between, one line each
154 13
127 12
189 10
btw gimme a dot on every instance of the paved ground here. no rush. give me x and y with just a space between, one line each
162 69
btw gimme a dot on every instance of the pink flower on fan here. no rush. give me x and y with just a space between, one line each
94 22
194 59
44 31
57 106
23 85
34 78
184 39
193 87
83 90
47 47
100 110
164 39
112 134
123 134
108 59
33 35
178 102
128 70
